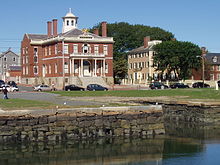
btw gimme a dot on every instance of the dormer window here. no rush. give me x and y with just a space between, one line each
215 59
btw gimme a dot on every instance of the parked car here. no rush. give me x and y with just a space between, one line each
2 82
12 88
178 85
157 85
200 85
96 87
12 83
42 88
218 83
73 87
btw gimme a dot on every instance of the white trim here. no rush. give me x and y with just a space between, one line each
57 57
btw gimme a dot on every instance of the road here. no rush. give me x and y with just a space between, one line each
28 94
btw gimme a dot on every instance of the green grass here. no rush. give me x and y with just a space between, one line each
209 93
24 104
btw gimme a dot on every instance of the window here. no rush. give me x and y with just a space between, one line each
56 70
212 67
26 59
218 67
26 69
67 22
5 59
66 51
96 49
45 51
23 60
75 48
106 68
105 49
49 69
85 48
23 70
56 49
72 23
49 50
35 51
66 67
35 59
35 70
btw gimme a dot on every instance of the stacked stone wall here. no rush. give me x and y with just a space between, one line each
81 123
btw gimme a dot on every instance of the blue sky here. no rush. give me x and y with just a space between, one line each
197 21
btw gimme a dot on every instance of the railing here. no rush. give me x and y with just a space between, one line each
87 55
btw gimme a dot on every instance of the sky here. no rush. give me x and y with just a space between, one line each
197 21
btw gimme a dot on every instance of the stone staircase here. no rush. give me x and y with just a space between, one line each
92 80
76 80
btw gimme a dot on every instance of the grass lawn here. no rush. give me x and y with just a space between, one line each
24 104
191 93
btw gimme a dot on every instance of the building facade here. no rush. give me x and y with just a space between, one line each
140 63
72 57
7 60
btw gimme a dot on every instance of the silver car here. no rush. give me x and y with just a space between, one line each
42 88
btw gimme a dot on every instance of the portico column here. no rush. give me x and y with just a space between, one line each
101 68
104 67
70 67
81 67
95 67
73 67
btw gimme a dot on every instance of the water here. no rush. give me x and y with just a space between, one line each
167 150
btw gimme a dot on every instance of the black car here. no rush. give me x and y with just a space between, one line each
2 82
157 85
200 85
12 83
73 87
96 87
179 85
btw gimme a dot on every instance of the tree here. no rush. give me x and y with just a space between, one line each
178 57
128 37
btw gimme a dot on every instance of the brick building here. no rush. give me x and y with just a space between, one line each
140 63
72 57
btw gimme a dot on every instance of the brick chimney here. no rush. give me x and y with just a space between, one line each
96 31
54 27
49 28
204 51
146 40
104 29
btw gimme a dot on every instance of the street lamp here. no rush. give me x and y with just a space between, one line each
203 69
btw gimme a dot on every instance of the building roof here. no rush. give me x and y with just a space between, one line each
37 36
141 49
77 32
8 52
213 58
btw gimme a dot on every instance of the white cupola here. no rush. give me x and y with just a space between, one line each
69 22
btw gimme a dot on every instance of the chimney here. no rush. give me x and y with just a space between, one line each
104 29
96 31
49 28
146 40
54 27
204 51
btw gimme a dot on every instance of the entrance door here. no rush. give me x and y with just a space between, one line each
86 68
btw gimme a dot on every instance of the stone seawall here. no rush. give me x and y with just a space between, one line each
185 120
53 125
